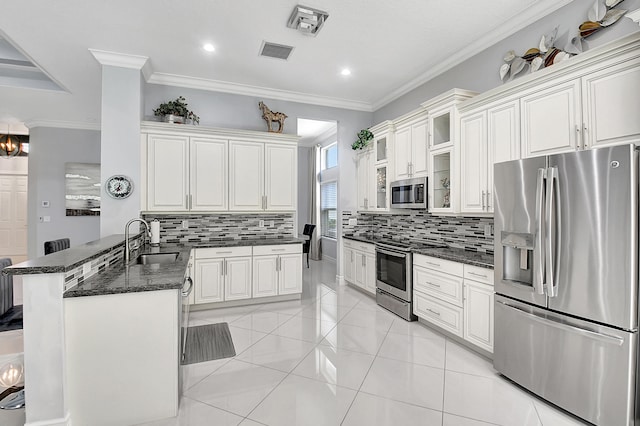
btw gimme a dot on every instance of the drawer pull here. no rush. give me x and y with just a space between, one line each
284 249
477 275
433 312
224 252
433 264
432 284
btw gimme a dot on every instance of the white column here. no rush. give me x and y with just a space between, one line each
44 350
120 134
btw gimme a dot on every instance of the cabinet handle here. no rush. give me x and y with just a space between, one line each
224 267
488 198
584 136
190 201
477 275
408 172
432 284
483 195
278 249
186 201
578 142
364 261
278 263
433 312
433 264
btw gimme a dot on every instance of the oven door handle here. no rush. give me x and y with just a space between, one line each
391 253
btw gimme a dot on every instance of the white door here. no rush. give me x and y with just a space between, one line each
419 149
473 170
208 183
246 175
503 142
551 120
360 269
290 274
167 172
13 217
237 283
611 105
363 169
478 314
265 276
349 264
209 283
402 153
281 177
370 273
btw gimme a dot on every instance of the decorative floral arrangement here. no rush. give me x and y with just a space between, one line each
601 15
177 108
364 137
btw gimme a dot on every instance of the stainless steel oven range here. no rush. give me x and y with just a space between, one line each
394 265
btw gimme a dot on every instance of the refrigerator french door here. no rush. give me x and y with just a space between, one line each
566 262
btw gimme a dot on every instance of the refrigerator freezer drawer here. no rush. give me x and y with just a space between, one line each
585 368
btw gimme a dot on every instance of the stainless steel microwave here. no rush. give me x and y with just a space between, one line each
409 194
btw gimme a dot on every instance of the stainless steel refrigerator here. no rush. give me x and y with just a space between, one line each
566 280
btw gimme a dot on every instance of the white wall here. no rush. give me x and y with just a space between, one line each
49 150
121 113
481 72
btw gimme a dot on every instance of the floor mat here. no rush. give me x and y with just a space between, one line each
208 342
12 319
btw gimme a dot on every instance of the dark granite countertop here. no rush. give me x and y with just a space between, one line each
475 258
169 276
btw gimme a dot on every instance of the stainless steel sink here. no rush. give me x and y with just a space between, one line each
155 258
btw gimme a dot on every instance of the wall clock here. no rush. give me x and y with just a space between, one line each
119 186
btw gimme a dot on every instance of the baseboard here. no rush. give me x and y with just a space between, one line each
244 302
65 421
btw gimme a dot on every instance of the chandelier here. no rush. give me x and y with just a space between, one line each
9 145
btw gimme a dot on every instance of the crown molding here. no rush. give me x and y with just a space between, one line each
122 60
634 16
76 125
256 91
513 25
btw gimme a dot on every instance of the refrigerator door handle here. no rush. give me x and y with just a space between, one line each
552 229
606 338
538 254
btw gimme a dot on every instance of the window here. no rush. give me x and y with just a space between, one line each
328 209
330 156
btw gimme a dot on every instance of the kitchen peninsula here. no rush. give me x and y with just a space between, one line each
106 335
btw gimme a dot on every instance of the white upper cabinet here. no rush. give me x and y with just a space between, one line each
403 152
611 105
363 169
551 119
199 169
503 141
208 182
168 172
419 150
246 175
281 177
473 134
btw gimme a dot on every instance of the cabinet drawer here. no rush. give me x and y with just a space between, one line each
357 245
441 265
277 249
443 286
439 313
475 273
205 253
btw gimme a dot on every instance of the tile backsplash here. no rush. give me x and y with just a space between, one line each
210 227
461 232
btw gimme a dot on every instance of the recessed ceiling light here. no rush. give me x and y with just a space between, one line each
345 71
209 47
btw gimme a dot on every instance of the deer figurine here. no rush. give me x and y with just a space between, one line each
271 117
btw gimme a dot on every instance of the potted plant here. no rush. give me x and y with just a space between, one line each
176 112
364 137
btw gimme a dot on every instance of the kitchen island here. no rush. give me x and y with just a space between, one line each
102 339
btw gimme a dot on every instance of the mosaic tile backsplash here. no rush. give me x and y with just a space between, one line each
211 227
459 232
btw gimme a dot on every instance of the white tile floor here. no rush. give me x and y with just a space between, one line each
336 358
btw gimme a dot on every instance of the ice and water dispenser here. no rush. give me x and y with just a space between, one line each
517 257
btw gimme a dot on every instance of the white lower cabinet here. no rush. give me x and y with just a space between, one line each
478 314
277 270
222 274
360 265
456 297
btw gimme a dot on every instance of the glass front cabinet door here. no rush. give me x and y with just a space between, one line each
441 182
381 188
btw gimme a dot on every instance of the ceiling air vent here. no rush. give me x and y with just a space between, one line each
273 50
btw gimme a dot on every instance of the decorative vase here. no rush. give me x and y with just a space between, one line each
174 119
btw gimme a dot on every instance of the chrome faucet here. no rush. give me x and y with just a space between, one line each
127 253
